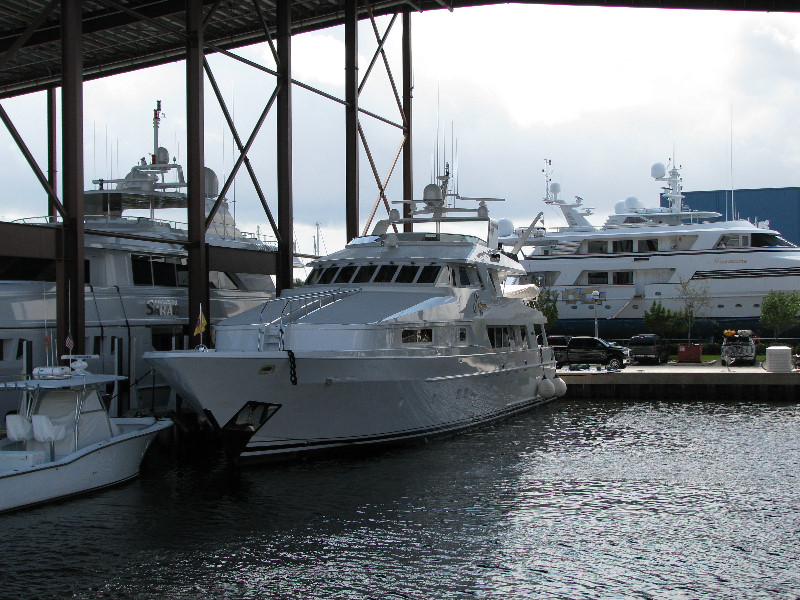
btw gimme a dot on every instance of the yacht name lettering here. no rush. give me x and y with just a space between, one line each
162 307
731 261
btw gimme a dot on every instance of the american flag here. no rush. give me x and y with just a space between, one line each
68 342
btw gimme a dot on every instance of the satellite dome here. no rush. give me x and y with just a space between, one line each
633 203
432 195
658 170
505 228
619 207
555 187
162 156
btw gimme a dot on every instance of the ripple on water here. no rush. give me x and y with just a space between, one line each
572 500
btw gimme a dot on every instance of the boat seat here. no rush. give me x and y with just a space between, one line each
18 428
44 431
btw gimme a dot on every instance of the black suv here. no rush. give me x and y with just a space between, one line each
648 347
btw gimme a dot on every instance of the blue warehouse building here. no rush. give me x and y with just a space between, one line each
779 206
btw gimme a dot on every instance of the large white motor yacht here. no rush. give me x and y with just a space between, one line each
641 255
400 335
136 290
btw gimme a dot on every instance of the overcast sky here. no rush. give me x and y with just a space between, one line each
602 92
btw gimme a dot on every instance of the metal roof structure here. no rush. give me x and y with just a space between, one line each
125 35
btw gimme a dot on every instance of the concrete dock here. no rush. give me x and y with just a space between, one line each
684 381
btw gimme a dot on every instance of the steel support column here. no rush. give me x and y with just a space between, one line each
351 116
408 89
284 141
52 157
198 256
70 274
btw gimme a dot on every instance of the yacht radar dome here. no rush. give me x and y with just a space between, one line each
619 207
505 227
632 203
432 195
658 170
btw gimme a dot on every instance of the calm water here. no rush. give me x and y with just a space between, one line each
573 500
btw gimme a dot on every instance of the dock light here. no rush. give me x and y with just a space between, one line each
595 296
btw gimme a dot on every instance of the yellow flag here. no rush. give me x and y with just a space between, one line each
201 324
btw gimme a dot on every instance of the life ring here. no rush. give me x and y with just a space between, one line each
673 244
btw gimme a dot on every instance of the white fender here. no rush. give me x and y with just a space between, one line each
560 387
547 389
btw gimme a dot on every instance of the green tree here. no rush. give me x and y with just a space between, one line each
779 311
659 320
696 305
547 303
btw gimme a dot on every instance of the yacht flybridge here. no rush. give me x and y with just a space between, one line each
136 290
640 255
399 336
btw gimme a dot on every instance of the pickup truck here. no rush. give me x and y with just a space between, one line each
591 351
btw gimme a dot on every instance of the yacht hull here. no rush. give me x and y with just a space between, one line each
342 401
97 466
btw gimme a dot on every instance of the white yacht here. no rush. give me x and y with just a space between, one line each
399 336
136 290
641 255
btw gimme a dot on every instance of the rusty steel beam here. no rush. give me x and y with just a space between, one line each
70 276
284 146
408 89
52 156
238 260
29 241
351 117
198 255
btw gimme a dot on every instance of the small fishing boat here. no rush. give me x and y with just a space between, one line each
62 441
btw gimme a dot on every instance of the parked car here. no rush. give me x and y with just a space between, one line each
595 351
738 347
559 345
648 347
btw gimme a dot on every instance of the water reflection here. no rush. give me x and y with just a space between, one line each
572 500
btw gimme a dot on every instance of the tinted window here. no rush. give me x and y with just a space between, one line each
164 272
429 274
406 274
140 265
345 274
385 274
364 274
327 275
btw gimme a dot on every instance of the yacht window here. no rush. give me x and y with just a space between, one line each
622 245
313 277
164 272
429 274
504 336
462 334
465 277
648 245
407 274
623 278
745 241
596 246
599 277
345 274
417 336
728 241
364 274
182 273
385 274
220 281
27 269
769 240
328 275
140 265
